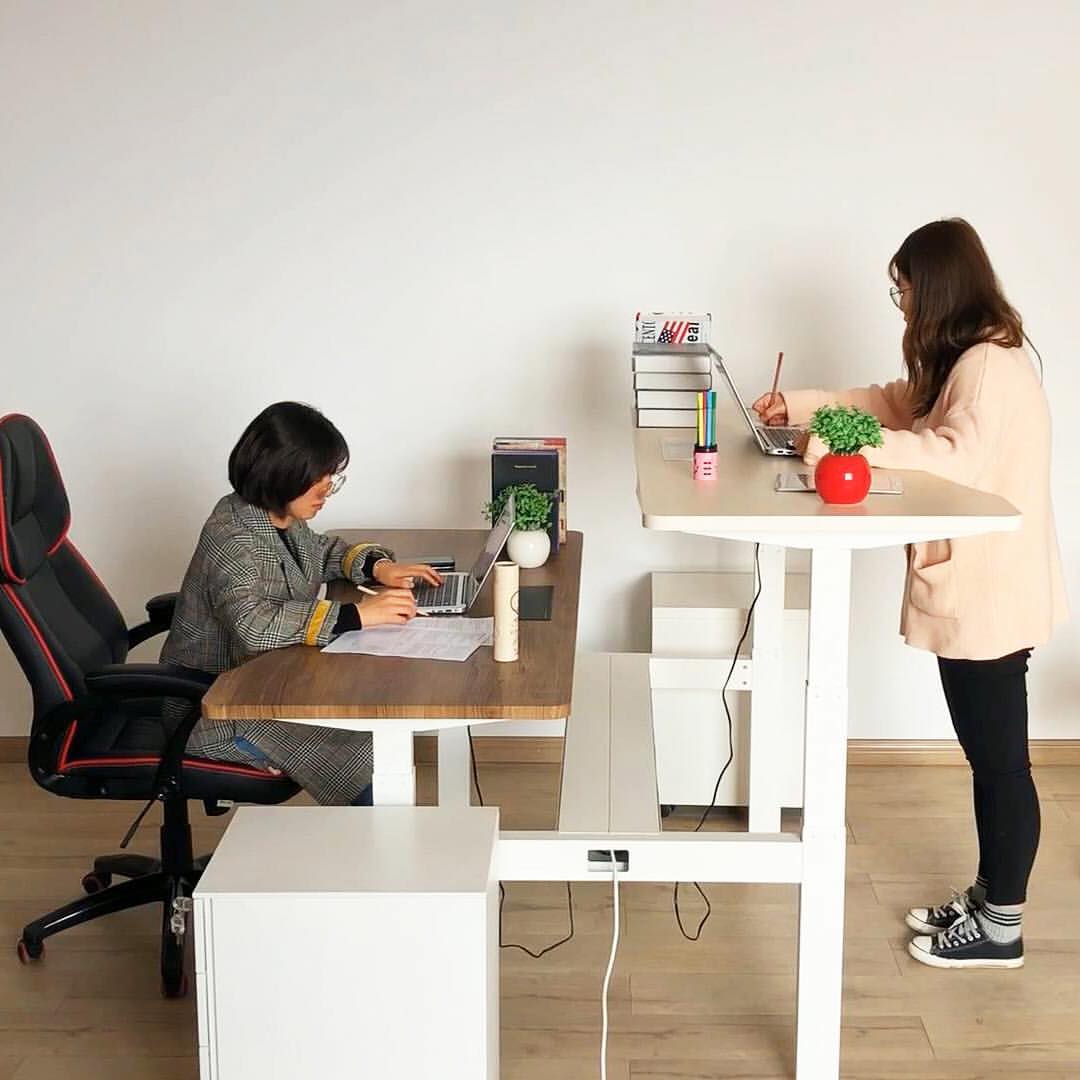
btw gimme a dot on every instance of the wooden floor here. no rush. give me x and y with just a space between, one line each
719 1008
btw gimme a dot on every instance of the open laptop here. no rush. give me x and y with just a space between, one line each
459 591
777 441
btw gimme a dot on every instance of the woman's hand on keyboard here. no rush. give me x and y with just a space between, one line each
391 607
772 409
405 575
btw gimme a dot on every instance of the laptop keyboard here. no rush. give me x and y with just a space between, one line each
783 438
451 593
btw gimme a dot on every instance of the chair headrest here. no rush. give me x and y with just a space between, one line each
34 511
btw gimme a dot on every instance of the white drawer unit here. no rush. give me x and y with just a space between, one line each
336 942
697 619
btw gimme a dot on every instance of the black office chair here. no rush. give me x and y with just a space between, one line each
100 728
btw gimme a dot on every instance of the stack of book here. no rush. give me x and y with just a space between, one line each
671 365
540 461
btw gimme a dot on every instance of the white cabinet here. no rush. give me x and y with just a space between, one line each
696 616
336 942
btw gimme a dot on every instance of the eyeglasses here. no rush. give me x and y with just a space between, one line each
337 482
895 293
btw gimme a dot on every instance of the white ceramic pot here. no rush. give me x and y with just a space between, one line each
529 549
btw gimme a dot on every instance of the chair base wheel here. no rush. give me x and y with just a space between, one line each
666 810
175 986
29 950
95 882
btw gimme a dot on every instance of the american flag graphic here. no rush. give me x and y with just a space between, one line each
679 333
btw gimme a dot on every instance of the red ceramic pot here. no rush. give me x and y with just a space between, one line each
842 478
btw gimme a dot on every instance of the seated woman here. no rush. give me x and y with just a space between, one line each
254 584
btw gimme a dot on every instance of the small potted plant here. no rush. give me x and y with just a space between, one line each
843 474
529 544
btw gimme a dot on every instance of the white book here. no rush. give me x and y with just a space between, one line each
667 399
673 363
678 380
684 418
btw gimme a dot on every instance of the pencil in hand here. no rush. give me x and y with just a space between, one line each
776 378
374 592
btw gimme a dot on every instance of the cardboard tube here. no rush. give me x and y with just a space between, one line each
506 611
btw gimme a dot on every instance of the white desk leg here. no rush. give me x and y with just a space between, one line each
821 897
766 733
455 774
394 779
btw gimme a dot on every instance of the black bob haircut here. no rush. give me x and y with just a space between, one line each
283 452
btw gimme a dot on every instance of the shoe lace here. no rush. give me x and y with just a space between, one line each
965 932
960 904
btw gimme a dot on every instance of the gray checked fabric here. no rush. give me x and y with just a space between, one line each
246 592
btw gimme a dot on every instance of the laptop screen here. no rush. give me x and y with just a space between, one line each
721 367
498 536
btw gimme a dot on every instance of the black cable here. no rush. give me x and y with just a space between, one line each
502 889
730 757
723 692
547 948
704 918
475 771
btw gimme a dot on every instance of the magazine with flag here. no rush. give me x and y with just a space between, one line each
672 328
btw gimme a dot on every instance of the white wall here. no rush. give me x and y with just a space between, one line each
206 207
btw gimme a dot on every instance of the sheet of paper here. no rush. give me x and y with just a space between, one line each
675 449
434 638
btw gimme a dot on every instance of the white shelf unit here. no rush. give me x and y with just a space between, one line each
697 619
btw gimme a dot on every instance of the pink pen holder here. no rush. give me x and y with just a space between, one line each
705 466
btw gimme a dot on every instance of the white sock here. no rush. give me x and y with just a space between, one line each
1001 922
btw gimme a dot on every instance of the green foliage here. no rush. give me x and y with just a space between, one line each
532 507
845 429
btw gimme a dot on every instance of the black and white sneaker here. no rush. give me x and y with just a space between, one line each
936 919
966 946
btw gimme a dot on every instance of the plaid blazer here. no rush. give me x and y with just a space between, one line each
245 592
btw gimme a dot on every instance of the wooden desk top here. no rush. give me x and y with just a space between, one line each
742 503
300 683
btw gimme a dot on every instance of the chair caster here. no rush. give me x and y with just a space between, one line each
174 985
29 950
95 882
666 810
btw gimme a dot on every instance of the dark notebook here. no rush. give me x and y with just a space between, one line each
537 467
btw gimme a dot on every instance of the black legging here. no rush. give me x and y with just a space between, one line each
988 703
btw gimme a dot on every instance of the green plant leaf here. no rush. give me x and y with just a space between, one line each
532 507
844 429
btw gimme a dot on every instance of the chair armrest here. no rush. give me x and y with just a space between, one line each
158 680
148 680
160 610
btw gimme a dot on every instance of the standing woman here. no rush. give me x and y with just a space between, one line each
971 410
254 584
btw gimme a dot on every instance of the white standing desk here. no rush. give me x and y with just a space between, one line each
742 505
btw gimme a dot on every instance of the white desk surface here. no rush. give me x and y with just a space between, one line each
342 850
742 503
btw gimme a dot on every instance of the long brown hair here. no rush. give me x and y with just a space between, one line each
955 302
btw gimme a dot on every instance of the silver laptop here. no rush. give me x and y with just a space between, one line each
777 441
459 591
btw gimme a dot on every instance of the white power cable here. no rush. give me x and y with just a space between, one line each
610 968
